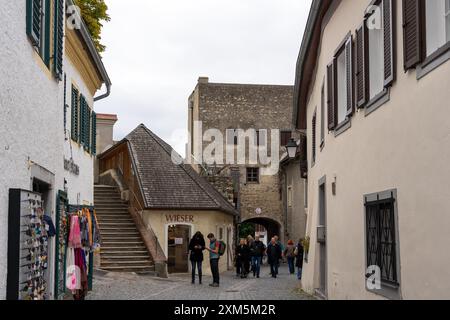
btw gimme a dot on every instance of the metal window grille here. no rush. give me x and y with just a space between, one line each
381 239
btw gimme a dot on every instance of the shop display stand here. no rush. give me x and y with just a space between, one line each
27 247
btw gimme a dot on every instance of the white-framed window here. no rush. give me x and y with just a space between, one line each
220 233
376 56
289 196
341 87
437 24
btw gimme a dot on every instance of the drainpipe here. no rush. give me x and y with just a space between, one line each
108 92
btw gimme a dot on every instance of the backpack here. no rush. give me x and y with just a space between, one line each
222 248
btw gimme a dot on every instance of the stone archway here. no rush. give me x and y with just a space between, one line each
273 227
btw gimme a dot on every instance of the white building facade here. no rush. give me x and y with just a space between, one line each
372 96
36 77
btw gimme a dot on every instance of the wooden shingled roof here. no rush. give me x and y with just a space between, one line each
167 185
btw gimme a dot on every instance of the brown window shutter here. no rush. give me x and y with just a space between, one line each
349 63
361 65
330 96
389 42
413 35
314 128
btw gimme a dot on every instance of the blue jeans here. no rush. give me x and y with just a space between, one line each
256 264
199 268
291 265
299 273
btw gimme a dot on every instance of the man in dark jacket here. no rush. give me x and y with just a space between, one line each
257 252
243 259
299 253
274 255
196 247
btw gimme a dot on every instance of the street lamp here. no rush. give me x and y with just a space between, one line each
291 148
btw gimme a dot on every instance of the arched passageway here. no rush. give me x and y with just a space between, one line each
269 228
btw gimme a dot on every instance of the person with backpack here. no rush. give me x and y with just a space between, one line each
216 249
196 247
242 259
257 251
290 256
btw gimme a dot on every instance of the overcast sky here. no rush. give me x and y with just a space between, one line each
157 49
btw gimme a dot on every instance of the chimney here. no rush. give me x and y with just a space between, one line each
105 126
203 80
105 139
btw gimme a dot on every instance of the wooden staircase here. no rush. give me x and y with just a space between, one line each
122 248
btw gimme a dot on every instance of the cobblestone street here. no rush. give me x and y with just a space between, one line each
120 286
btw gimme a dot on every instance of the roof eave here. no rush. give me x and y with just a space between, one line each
302 82
95 57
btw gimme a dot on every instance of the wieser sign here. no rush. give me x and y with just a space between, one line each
179 218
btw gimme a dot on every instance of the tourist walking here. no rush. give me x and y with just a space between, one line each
242 259
277 239
196 247
289 253
257 251
214 257
274 255
299 251
250 241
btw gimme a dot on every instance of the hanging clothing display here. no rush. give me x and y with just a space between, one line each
83 239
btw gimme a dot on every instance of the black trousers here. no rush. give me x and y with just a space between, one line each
215 270
197 264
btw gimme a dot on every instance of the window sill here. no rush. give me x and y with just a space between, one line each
377 101
342 127
433 61
387 291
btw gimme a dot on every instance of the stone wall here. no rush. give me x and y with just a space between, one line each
224 184
244 106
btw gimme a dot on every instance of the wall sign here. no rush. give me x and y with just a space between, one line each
179 218
71 166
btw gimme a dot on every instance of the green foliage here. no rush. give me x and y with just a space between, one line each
247 229
94 13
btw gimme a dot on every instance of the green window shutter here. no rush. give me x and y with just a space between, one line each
34 17
82 120
87 128
94 134
58 40
75 115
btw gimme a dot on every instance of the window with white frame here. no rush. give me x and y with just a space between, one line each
289 196
341 88
376 55
437 24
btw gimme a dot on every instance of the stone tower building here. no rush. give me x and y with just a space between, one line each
230 108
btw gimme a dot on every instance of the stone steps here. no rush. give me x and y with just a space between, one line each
123 249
